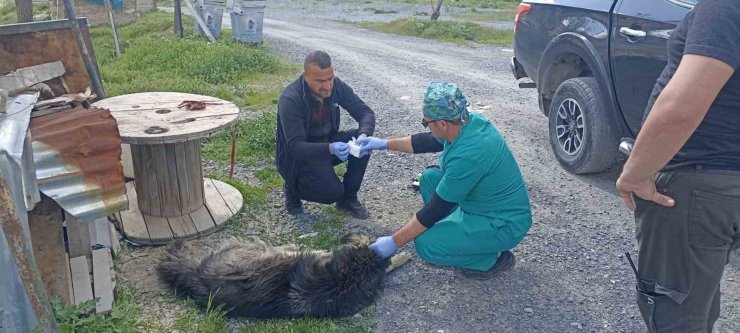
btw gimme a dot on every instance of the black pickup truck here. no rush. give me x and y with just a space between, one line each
594 64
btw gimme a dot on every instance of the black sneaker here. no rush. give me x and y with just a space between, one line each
293 204
354 208
505 262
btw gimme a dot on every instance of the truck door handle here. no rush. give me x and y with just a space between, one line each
632 33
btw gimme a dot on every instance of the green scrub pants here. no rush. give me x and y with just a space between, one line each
460 239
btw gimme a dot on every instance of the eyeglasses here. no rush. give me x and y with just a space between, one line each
426 123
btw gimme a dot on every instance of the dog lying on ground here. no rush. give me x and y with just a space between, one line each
254 279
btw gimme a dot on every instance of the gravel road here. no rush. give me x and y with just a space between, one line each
570 274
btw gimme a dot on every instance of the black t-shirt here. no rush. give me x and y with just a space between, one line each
320 127
712 29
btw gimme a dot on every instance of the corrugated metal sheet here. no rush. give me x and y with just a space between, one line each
77 154
16 309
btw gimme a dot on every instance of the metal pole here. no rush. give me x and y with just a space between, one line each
97 85
109 7
178 18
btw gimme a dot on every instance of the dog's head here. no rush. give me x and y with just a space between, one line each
357 239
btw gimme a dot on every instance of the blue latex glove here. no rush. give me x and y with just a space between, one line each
384 247
340 150
371 143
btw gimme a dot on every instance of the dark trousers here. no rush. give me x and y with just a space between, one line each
684 249
317 181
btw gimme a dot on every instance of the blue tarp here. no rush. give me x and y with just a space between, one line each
117 4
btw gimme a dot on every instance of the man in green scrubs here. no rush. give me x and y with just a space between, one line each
476 207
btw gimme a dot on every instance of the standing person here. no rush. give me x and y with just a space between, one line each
476 207
683 176
309 143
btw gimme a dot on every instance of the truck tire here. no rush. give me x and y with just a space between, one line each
582 135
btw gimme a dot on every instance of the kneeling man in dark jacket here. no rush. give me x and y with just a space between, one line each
309 143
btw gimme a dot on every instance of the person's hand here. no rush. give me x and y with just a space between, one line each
340 150
384 247
371 143
362 136
644 189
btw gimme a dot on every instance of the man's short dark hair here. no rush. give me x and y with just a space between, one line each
318 58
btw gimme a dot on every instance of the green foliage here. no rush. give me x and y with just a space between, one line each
82 318
309 325
503 4
478 16
330 228
455 32
8 15
255 141
213 321
155 59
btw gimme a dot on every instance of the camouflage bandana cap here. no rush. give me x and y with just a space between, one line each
444 101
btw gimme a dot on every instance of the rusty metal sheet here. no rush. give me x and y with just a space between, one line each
77 154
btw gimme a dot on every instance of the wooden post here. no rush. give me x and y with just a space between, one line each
11 224
24 10
78 237
169 178
178 18
45 222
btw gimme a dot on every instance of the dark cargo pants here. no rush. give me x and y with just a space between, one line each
684 249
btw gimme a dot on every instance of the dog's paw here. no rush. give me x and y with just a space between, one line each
399 260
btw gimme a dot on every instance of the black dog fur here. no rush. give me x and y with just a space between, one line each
256 280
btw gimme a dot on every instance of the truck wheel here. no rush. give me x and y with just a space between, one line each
582 135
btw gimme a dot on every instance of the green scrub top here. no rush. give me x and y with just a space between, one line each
481 175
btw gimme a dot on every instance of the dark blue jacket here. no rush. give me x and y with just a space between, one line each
293 118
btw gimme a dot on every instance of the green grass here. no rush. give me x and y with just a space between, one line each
308 325
8 15
447 31
155 59
82 318
502 16
194 320
255 141
503 4
330 228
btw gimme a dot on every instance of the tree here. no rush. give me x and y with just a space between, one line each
435 12
24 10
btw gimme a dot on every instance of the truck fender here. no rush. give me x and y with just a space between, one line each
570 42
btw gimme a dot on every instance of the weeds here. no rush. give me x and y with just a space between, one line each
478 16
502 4
255 141
8 15
155 59
213 321
82 318
329 230
455 32
308 325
